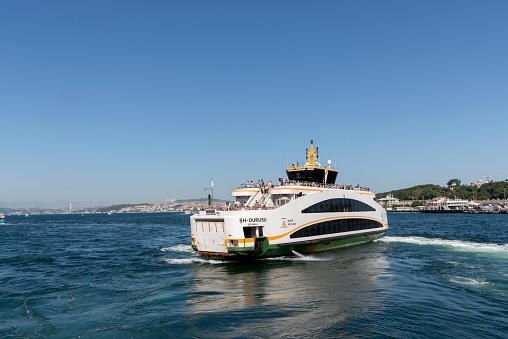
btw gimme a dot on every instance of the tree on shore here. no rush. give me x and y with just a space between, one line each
451 181
488 191
417 203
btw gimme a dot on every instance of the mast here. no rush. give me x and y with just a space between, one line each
312 155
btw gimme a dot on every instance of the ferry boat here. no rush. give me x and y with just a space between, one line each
306 213
445 205
2 218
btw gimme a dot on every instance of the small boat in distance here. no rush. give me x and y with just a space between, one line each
2 218
306 213
445 205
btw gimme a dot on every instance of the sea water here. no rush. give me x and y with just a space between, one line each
135 275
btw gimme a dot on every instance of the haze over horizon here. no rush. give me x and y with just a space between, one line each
127 102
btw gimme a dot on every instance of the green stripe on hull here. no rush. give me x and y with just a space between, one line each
248 253
323 246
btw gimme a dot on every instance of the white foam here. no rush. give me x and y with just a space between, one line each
178 248
456 244
187 261
299 257
469 281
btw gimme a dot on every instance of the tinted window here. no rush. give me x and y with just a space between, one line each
336 226
339 205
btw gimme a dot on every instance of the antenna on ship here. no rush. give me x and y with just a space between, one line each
210 202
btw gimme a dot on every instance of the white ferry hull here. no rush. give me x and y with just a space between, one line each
294 226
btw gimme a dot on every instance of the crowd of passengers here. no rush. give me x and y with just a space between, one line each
265 187
235 207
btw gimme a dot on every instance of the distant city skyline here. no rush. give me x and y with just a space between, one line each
129 102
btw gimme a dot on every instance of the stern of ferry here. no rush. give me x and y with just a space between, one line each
230 235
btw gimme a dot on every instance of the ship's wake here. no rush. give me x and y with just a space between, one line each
185 248
299 257
459 245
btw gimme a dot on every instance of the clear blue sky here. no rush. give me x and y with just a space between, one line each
106 102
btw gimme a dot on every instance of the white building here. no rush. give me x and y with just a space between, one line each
388 201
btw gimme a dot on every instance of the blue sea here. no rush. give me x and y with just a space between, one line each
135 275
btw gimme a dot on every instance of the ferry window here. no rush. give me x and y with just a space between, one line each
339 205
247 232
253 232
336 226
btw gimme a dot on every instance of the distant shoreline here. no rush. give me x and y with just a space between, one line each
157 207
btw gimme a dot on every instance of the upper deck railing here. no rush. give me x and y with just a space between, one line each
287 183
